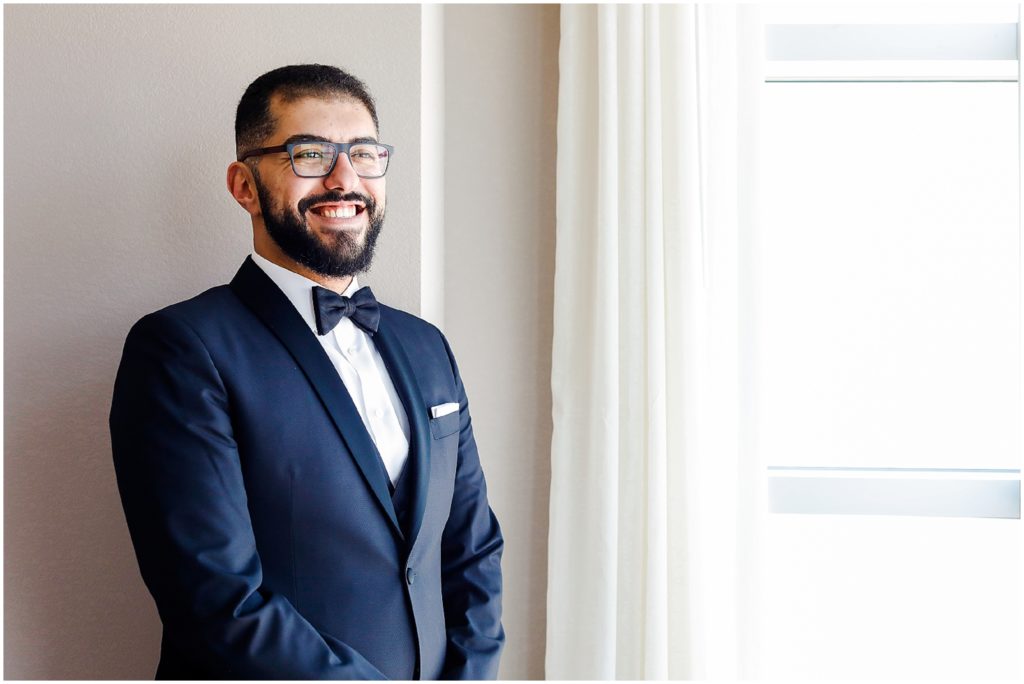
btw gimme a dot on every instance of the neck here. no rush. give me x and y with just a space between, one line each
269 250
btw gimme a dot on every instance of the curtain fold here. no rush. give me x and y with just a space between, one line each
648 527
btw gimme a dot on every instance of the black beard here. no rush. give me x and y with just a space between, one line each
339 256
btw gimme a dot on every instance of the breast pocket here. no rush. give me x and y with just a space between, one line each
444 448
445 425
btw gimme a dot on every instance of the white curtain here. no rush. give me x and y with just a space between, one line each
653 499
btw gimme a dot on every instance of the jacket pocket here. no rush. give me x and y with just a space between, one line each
445 425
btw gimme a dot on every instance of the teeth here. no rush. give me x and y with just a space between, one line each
342 212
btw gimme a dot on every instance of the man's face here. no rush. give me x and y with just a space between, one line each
329 225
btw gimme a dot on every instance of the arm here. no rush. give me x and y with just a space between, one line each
181 485
471 547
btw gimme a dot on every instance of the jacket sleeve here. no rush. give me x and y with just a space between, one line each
471 547
180 479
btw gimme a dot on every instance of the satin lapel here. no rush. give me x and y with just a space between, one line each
267 301
408 389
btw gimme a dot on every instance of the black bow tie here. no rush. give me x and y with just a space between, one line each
330 307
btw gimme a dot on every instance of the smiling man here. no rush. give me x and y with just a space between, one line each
296 461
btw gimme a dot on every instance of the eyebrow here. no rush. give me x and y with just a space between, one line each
309 137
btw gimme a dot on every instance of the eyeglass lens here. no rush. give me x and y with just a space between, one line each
315 159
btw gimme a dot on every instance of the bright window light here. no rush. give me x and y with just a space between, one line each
888 301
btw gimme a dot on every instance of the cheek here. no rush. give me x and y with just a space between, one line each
376 191
291 195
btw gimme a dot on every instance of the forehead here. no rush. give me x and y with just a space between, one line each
335 118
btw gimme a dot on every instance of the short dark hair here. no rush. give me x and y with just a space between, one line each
253 121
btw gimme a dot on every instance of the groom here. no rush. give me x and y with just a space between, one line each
296 461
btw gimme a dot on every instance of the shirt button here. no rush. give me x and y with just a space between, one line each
410 576
351 351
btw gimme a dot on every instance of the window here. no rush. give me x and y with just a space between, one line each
888 296
886 351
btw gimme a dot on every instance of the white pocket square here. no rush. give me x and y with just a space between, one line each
443 410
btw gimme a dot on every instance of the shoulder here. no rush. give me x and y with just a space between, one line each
216 301
196 317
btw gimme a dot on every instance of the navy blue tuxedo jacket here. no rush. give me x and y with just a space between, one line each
260 510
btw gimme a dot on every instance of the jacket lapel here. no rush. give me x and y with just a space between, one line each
266 300
408 389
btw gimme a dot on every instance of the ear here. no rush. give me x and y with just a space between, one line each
242 187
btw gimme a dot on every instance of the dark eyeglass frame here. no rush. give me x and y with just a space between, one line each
339 149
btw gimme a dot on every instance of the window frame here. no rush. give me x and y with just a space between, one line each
897 52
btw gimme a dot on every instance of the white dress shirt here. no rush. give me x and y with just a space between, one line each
360 366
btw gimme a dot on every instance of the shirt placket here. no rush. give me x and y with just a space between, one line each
377 415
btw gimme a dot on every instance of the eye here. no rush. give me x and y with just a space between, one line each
309 153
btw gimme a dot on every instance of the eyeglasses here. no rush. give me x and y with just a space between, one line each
317 159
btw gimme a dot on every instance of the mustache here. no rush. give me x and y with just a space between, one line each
306 202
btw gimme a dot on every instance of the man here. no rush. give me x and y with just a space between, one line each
296 462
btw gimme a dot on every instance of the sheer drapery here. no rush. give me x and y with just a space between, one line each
652 499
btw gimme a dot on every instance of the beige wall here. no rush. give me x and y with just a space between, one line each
118 129
501 70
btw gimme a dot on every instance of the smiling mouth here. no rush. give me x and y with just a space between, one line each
338 210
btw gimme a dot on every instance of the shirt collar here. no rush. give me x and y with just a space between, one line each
297 288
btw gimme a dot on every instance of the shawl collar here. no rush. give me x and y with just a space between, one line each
265 299
404 379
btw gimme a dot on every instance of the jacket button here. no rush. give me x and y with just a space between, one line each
410 576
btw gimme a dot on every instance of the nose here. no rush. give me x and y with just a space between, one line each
343 176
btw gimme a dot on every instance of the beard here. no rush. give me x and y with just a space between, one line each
335 256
